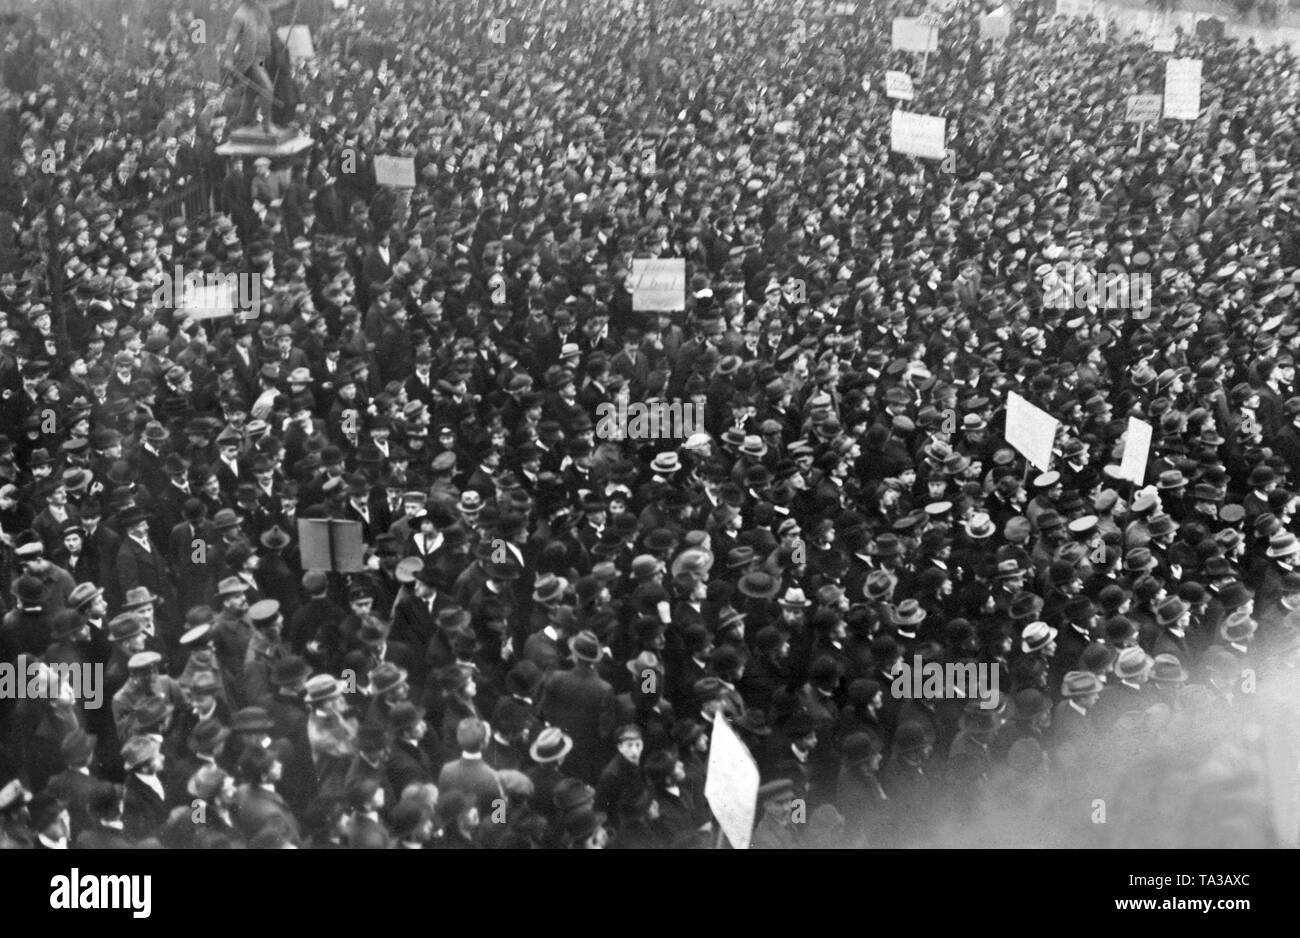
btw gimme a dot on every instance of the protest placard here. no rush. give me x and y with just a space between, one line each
731 784
917 134
397 171
331 544
1137 447
1183 89
1031 431
659 284
899 85
911 35
298 41
1165 42
1143 108
995 26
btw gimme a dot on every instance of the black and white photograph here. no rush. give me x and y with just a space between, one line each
680 425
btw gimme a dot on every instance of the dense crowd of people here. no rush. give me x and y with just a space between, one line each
551 615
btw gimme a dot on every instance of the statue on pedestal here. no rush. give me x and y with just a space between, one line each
249 58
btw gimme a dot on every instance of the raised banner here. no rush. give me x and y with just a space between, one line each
910 34
659 284
731 784
1137 447
397 171
1143 108
1183 89
899 85
1031 431
917 134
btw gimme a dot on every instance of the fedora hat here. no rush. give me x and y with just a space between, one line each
1167 669
979 526
1132 662
1170 611
585 646
1282 544
83 594
878 584
385 677
759 585
693 560
552 745
549 588
908 612
320 688
666 463
1036 636
794 598
1080 684
1238 627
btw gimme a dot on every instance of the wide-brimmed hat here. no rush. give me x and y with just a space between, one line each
322 687
585 646
385 677
878 584
794 598
979 526
759 585
552 745
666 463
1036 636
549 588
1238 626
1132 662
908 612
1080 684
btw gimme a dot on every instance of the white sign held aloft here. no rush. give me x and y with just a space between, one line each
1183 89
1143 108
899 85
909 34
659 284
397 171
1031 431
1137 446
917 134
731 784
